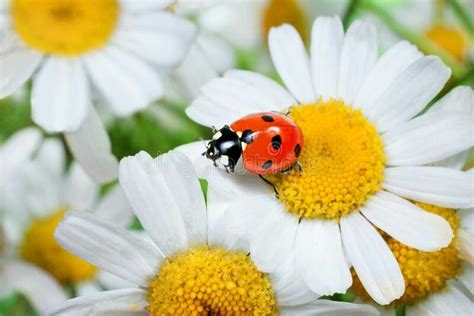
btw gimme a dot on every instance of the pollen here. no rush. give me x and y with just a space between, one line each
424 272
65 27
342 161
449 39
278 12
40 248
210 281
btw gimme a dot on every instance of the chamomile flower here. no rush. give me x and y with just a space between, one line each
117 48
35 193
441 282
192 266
365 156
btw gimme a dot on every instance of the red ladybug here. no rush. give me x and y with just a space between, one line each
268 142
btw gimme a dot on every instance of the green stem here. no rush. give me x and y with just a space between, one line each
423 43
351 8
462 15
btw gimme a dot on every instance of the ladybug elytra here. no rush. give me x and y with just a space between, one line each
268 143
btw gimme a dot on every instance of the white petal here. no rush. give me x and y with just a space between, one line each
409 92
80 192
183 183
161 38
87 288
467 278
84 306
319 257
109 247
90 146
428 138
121 309
144 5
268 227
219 51
39 189
466 245
329 308
358 56
17 150
327 37
291 61
407 223
40 288
17 64
275 95
239 93
448 302
454 162
372 259
127 83
110 281
387 68
289 287
114 207
146 189
60 98
51 156
458 100
195 70
274 239
434 185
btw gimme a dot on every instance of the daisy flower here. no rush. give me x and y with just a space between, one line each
117 48
191 266
441 282
35 193
364 157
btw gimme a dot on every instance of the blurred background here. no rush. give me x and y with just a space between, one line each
235 32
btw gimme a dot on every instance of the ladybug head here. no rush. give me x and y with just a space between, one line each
225 148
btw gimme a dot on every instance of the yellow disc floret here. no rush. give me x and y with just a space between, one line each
278 12
210 281
424 272
65 27
342 160
450 39
40 248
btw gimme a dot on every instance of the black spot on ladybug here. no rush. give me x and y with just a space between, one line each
267 164
247 136
268 118
297 150
276 142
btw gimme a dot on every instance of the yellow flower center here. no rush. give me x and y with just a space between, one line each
40 248
342 160
65 27
424 272
210 281
450 39
278 12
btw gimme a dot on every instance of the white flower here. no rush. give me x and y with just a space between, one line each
190 264
439 283
117 48
35 192
365 156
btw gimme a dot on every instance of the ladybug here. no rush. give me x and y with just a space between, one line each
268 142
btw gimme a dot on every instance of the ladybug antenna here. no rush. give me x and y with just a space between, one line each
214 129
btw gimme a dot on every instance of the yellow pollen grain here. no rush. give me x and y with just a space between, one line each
342 160
278 12
65 27
210 281
40 248
424 272
450 39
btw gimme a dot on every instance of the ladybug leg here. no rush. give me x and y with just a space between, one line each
277 194
299 166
